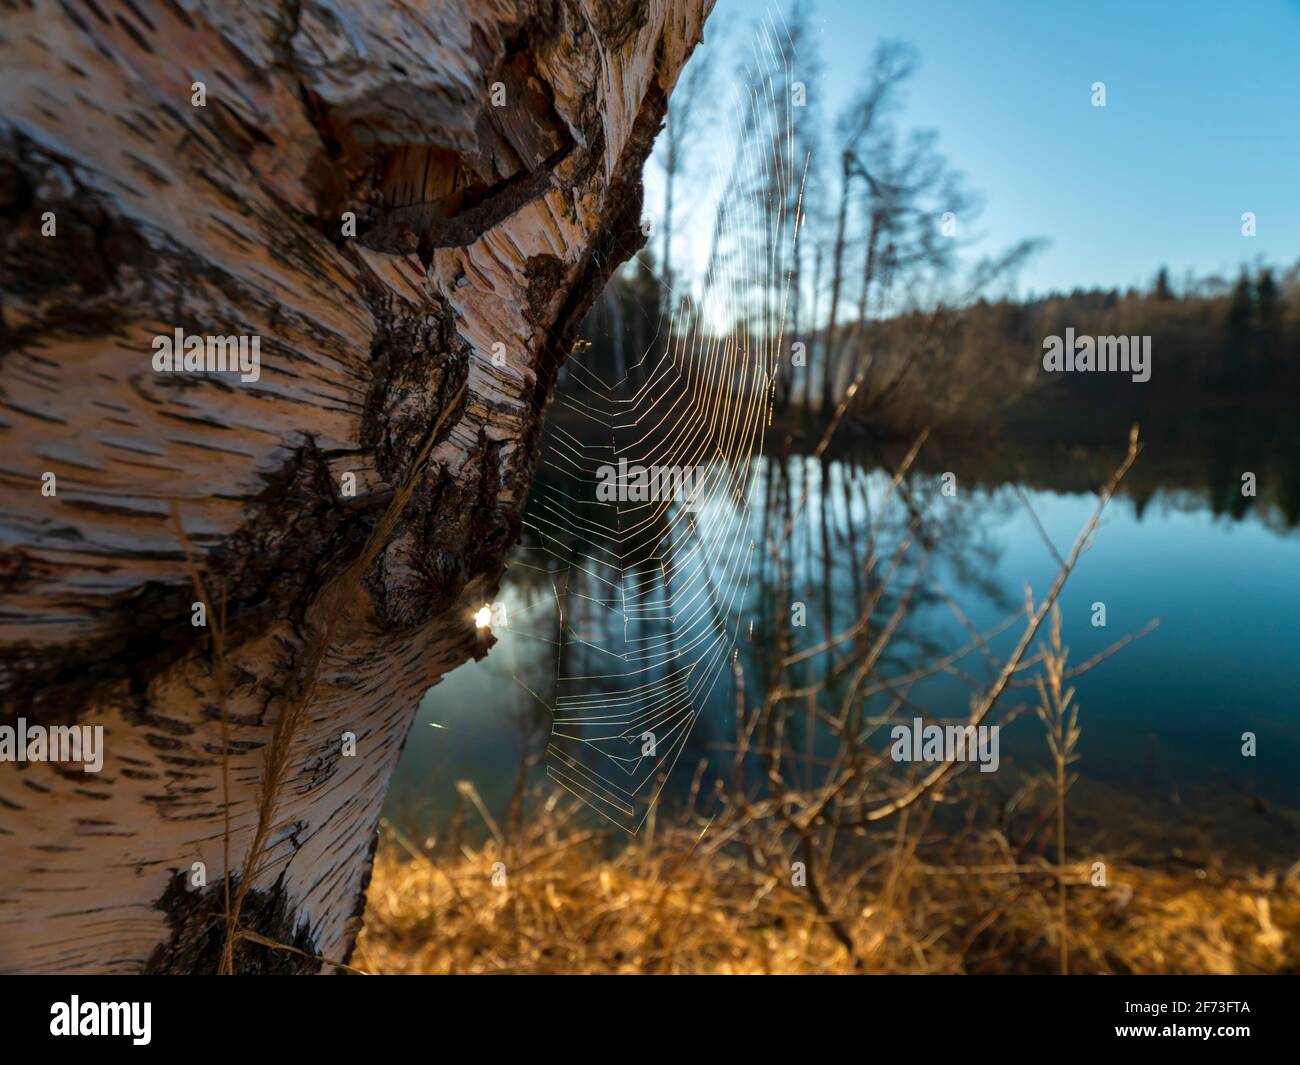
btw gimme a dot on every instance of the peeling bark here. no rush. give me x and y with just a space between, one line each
475 225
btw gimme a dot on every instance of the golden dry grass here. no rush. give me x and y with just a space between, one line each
674 905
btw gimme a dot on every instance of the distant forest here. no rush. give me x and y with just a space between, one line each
1215 345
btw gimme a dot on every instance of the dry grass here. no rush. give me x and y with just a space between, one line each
676 905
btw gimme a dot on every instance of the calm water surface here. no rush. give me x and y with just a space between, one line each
1162 719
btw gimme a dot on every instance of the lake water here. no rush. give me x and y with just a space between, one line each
1161 764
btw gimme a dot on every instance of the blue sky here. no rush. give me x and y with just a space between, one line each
1202 122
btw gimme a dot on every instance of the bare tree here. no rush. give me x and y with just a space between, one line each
688 113
891 64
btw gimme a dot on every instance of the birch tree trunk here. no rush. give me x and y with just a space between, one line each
490 155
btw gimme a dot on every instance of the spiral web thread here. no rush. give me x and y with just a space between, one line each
650 595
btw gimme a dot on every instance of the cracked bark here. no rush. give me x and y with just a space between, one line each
475 225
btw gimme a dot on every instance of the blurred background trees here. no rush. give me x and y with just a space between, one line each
869 271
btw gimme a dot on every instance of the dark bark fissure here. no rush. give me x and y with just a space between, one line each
197 919
298 531
423 227
434 197
81 268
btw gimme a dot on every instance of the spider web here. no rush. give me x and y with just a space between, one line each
650 594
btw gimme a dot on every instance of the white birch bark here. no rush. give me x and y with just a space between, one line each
476 226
